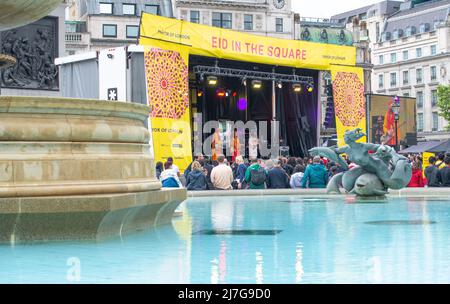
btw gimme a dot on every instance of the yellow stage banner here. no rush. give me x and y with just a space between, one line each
426 160
349 100
216 42
167 75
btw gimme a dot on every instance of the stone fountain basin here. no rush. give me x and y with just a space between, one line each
77 169
15 13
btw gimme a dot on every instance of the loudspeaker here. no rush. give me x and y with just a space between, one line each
411 139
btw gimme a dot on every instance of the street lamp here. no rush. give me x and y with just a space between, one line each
396 110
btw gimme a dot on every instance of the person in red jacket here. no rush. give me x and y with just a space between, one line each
417 179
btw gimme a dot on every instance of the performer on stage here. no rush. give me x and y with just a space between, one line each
235 146
216 144
389 127
253 145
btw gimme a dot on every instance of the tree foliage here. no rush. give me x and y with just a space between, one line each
443 95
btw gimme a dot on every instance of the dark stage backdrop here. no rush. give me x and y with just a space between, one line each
298 116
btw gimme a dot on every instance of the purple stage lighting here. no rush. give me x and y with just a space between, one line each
242 104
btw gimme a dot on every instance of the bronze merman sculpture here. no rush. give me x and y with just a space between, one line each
374 174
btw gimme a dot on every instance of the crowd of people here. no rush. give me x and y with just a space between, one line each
281 173
221 174
436 174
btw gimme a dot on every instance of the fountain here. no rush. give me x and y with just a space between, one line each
373 174
74 169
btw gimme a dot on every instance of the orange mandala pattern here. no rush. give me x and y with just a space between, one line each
167 83
348 94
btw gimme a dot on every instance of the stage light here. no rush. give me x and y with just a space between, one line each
279 84
220 93
234 93
297 87
242 104
256 84
227 93
202 77
309 88
199 93
244 82
212 80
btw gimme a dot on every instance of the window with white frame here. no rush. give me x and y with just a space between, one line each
433 73
405 55
393 57
433 98
152 9
106 8
279 25
393 78
380 59
248 22
194 16
110 30
381 81
132 31
419 76
223 20
433 50
129 9
405 77
418 52
420 122
419 100
435 121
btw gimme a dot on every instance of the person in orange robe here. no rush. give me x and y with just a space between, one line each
216 144
235 146
389 127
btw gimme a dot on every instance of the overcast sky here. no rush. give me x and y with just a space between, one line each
327 8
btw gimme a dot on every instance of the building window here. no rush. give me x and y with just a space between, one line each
248 22
279 25
433 73
380 59
393 77
152 9
433 98
419 52
110 30
405 77
405 55
381 81
419 76
195 16
406 94
393 57
106 8
377 29
129 9
419 97
435 121
223 20
419 122
433 50
132 31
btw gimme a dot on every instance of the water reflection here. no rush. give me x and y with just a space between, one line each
319 242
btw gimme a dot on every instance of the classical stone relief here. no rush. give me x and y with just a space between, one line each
35 47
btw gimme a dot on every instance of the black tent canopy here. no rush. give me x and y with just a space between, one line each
443 147
420 147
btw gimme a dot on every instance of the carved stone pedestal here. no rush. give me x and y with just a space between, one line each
77 169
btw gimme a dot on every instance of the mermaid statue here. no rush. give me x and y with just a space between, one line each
374 172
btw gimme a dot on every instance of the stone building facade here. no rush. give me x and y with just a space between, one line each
273 18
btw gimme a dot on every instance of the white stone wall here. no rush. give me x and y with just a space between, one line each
441 61
264 16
